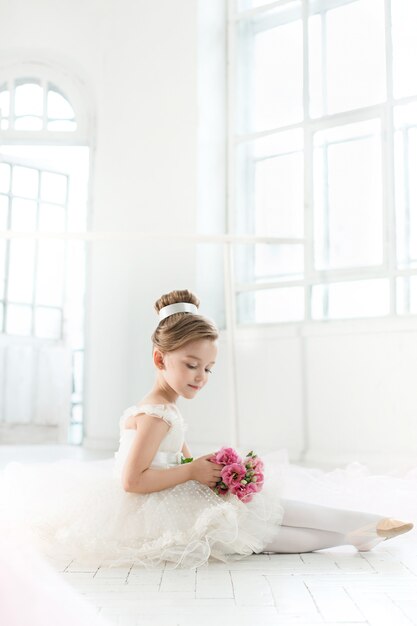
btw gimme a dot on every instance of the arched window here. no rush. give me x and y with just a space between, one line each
32 104
45 133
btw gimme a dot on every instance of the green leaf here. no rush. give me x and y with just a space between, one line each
188 460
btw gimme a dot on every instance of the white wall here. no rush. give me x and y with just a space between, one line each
137 64
331 393
153 72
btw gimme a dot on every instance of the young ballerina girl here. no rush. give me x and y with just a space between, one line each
148 507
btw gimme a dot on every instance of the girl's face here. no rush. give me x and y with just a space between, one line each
187 369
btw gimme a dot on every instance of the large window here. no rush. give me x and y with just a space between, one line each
323 136
44 169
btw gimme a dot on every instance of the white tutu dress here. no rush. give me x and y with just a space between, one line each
79 510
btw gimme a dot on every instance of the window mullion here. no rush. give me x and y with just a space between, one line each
11 105
390 243
231 121
35 262
66 260
322 123
308 170
324 60
45 105
7 257
407 216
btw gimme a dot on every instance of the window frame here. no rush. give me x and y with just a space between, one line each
384 112
75 90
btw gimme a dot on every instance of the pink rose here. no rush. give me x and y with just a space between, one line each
225 456
233 473
244 492
258 478
254 463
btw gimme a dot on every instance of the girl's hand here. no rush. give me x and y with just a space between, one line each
205 471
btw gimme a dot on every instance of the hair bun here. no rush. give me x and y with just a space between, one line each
177 329
173 297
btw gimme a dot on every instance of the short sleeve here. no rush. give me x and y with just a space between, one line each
132 410
159 410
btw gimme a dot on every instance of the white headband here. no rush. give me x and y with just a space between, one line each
178 307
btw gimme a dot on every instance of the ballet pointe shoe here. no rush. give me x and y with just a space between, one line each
389 528
367 537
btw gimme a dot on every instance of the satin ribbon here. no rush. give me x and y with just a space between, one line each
167 458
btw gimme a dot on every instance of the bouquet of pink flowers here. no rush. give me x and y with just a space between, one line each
241 477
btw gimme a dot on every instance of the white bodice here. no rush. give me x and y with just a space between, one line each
169 452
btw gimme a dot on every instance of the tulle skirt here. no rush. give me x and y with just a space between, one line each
391 493
79 510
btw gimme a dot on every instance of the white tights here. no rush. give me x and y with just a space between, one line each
307 527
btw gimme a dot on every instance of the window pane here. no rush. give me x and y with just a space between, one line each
51 218
62 125
279 197
365 298
75 434
285 304
315 66
348 219
25 182
243 5
4 177
29 122
77 414
4 103
50 273
277 86
404 41
47 323
353 57
269 189
4 212
19 320
405 119
75 291
20 284
263 262
58 107
23 214
78 374
278 261
2 267
53 188
407 295
28 100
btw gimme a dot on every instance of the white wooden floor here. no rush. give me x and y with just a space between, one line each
336 586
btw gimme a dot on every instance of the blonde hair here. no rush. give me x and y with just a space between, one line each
180 328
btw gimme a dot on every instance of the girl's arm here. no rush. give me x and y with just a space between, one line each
137 477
